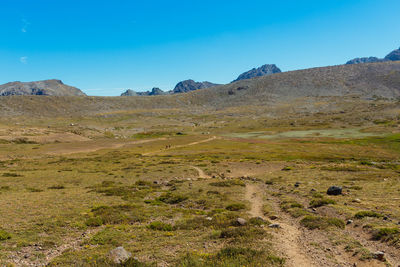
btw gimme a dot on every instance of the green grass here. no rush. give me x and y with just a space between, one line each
367 213
318 222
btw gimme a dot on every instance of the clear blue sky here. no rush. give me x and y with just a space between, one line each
104 47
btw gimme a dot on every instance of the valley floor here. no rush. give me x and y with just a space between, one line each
217 189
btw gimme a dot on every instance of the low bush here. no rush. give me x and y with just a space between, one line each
319 202
160 226
236 206
172 198
4 235
367 213
387 235
317 222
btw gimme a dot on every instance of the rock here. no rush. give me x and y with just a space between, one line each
241 221
334 191
190 85
273 217
365 60
349 222
119 255
379 255
267 69
209 218
274 225
297 184
154 91
394 55
357 200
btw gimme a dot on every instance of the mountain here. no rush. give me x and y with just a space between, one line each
327 84
361 60
266 69
47 87
154 91
190 85
394 55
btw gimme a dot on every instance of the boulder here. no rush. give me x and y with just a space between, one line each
241 221
119 255
334 190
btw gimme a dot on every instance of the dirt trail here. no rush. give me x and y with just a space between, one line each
202 174
179 146
287 236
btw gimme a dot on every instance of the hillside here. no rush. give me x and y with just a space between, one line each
363 80
46 87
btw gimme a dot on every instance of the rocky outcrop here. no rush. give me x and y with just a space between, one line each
47 87
394 55
190 85
267 69
154 91
364 60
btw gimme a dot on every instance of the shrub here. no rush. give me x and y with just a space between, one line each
317 222
387 235
171 198
367 213
258 221
94 221
315 203
160 226
236 206
243 233
4 235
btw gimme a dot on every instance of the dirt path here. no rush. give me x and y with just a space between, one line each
179 146
287 236
202 174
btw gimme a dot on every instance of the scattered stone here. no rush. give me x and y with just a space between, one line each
386 218
313 190
349 222
379 255
297 184
119 255
241 221
357 200
209 218
274 225
334 191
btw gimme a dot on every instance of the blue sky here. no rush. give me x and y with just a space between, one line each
104 47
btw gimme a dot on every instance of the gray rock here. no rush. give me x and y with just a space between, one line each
241 221
394 55
267 69
334 191
349 222
190 85
119 255
154 91
364 60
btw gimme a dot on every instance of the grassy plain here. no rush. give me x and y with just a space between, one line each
73 188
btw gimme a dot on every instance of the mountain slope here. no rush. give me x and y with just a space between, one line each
46 87
362 80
